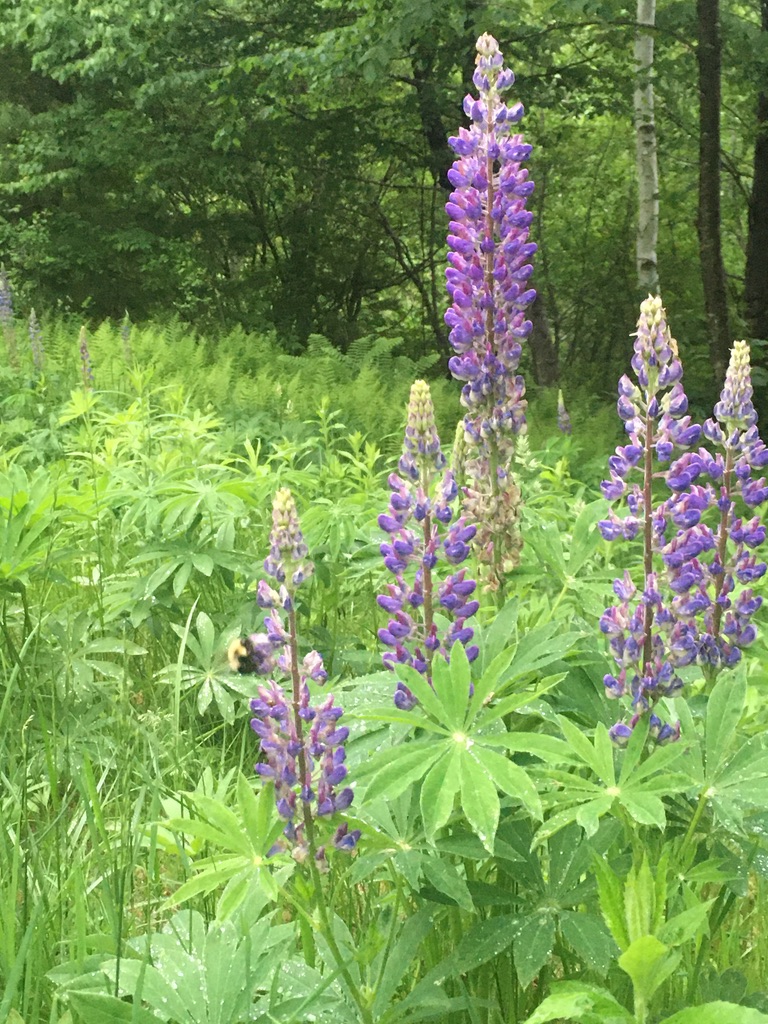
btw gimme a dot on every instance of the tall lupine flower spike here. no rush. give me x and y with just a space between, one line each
487 279
648 636
7 325
86 369
723 596
563 419
125 335
421 535
302 743
36 342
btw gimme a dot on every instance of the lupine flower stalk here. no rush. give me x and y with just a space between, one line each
302 744
421 537
722 596
648 636
86 370
36 342
125 335
7 324
563 419
488 282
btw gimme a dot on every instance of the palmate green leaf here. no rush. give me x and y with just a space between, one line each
438 791
393 771
533 946
581 746
499 634
98 1008
479 799
430 702
590 939
575 1001
508 705
446 879
453 691
644 808
488 682
537 649
401 955
483 942
510 778
585 539
718 1013
724 710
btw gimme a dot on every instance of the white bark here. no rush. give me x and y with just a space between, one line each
645 135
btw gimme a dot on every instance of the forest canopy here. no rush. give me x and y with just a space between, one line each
282 166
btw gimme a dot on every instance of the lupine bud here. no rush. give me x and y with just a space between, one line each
287 561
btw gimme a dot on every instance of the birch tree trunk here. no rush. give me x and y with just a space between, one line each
645 137
710 247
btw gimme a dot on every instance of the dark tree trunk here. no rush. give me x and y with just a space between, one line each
710 249
546 371
435 134
756 274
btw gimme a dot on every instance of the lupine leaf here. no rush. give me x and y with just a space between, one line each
645 808
401 766
98 1008
724 709
446 879
479 800
452 684
418 685
718 1013
575 1001
533 946
590 939
511 779
580 745
438 791
401 954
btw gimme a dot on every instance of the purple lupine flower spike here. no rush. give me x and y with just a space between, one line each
726 562
649 634
302 743
36 342
86 369
125 335
7 325
421 534
488 277
563 419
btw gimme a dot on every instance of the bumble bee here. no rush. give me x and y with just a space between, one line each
239 656
251 655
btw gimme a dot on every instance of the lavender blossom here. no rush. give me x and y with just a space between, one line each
650 636
563 419
302 744
36 342
488 282
421 535
86 369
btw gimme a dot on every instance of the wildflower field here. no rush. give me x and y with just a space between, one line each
336 690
